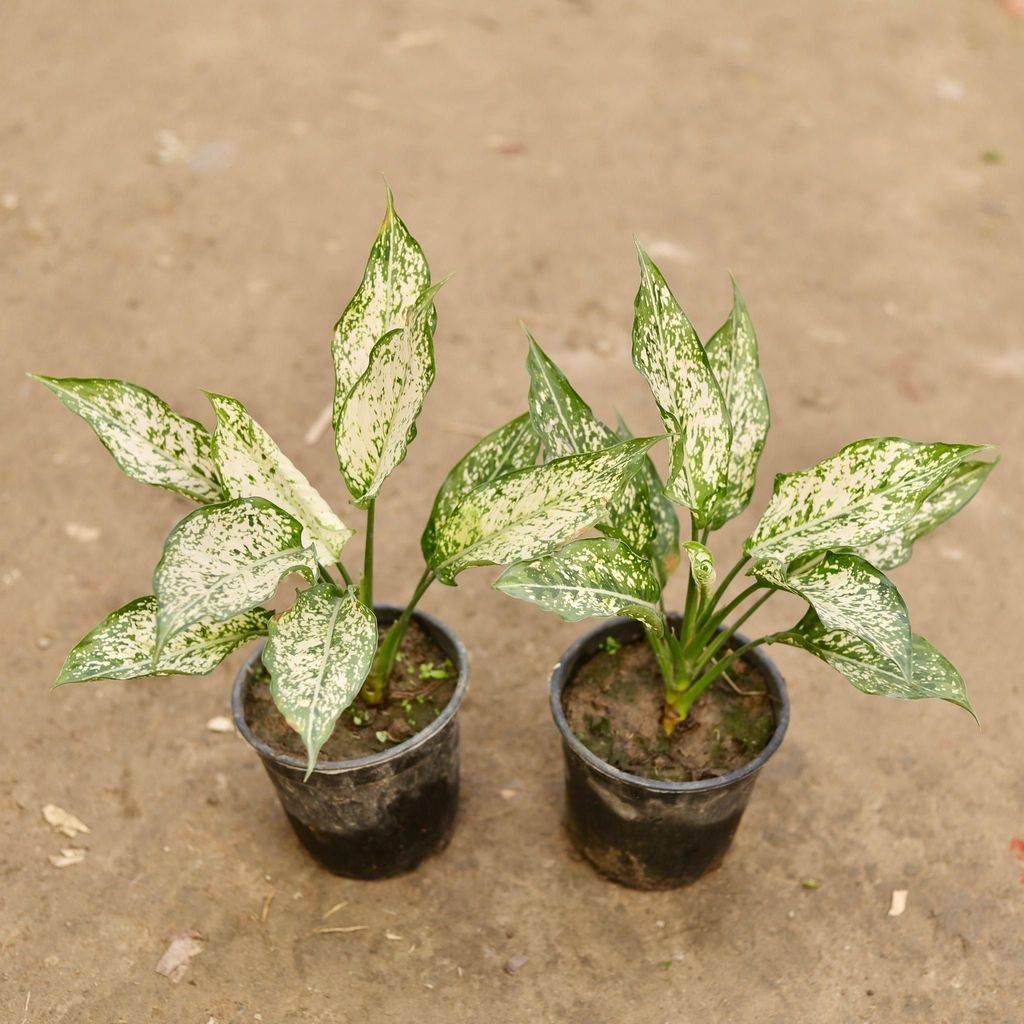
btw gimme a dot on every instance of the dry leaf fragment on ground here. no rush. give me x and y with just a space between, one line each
174 963
64 822
503 144
515 963
220 723
898 903
67 857
82 533
341 930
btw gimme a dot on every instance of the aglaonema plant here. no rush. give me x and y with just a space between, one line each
261 520
828 535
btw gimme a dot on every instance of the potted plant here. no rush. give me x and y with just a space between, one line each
351 705
663 740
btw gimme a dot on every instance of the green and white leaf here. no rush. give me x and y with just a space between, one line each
510 447
252 466
870 488
598 577
702 565
568 426
318 655
955 491
123 645
396 274
378 418
225 559
148 440
873 673
529 512
732 353
851 595
664 546
667 351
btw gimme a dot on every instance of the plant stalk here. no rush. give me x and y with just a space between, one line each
724 585
366 584
709 652
717 669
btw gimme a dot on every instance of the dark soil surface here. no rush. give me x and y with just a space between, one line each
422 683
614 705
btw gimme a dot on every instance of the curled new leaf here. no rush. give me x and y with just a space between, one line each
148 440
224 559
599 577
702 565
123 645
667 351
529 512
870 488
252 466
510 447
318 655
732 353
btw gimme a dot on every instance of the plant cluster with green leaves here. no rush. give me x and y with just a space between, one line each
260 520
827 535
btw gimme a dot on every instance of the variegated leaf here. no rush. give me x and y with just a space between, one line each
732 353
529 512
224 559
873 673
702 565
513 446
665 544
870 488
396 274
148 440
123 645
955 491
667 351
599 578
850 594
252 466
568 426
378 419
318 655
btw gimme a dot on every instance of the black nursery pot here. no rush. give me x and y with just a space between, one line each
640 832
379 815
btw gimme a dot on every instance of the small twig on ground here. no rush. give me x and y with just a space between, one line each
340 931
334 909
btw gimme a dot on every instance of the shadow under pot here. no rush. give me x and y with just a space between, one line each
377 815
649 833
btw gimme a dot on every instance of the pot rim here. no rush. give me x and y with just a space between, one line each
434 626
561 674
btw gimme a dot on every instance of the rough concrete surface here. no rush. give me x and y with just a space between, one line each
189 191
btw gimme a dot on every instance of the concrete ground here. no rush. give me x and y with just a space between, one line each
188 194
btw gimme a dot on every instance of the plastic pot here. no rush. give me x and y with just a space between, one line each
645 833
378 815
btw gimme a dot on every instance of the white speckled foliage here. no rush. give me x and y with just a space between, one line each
224 559
510 447
396 274
598 577
873 673
148 440
955 491
702 564
849 594
870 488
123 645
732 353
318 655
377 421
529 512
252 466
667 351
568 426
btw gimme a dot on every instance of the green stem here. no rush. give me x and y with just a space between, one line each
325 575
724 585
375 689
690 611
344 574
708 653
366 586
717 669
706 628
